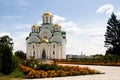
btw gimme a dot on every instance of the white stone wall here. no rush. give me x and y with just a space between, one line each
58 50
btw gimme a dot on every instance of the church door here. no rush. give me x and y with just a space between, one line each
43 54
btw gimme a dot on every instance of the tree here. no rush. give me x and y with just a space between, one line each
112 36
16 61
20 54
6 50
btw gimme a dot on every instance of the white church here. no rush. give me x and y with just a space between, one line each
46 41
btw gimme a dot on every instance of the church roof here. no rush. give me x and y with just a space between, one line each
57 25
35 26
44 40
47 14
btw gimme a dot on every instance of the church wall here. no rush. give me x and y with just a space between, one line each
44 46
59 50
37 52
59 57
63 50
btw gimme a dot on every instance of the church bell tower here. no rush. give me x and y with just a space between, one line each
47 18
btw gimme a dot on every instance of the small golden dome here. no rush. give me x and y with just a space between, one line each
57 25
47 14
44 40
35 26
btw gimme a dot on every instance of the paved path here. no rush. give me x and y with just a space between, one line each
111 73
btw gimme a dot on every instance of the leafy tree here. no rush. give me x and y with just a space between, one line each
6 45
7 61
16 61
20 54
0 61
112 36
6 41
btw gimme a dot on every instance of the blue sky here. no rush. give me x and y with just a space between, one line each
84 21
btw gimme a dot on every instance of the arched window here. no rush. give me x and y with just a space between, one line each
33 30
47 20
34 53
33 46
53 46
43 54
53 52
45 37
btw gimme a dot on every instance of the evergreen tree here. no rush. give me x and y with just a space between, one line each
6 50
112 36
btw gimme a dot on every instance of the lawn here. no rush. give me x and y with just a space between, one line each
8 78
17 74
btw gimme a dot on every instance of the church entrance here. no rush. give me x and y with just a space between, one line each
43 54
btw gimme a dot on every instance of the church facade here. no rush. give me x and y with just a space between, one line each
46 41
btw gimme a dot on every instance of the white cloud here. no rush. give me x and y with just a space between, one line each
92 42
107 8
19 41
57 19
88 39
4 33
95 31
69 26
118 13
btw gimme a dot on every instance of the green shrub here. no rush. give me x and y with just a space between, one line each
16 61
47 67
17 73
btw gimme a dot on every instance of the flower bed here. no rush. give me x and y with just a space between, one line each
61 71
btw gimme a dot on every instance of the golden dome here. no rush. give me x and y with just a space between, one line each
44 40
35 26
57 25
47 14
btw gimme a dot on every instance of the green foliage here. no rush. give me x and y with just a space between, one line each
4 78
17 73
16 61
7 66
6 46
6 41
20 54
38 65
112 36
46 67
0 61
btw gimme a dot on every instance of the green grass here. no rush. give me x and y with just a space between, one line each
8 78
17 74
4 78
